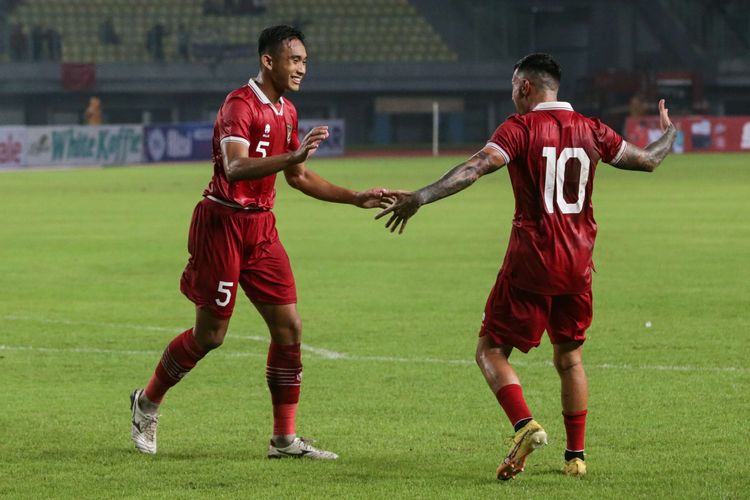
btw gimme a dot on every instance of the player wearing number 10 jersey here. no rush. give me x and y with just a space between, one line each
544 283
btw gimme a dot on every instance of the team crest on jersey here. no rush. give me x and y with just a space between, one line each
288 133
267 130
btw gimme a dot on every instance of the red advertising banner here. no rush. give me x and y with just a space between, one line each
78 76
694 133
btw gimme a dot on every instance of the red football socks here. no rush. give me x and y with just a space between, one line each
575 429
511 399
180 356
284 419
284 375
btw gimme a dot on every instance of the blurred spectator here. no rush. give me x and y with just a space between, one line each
637 106
212 7
255 7
244 6
107 33
258 6
183 43
93 113
155 41
38 42
54 45
19 44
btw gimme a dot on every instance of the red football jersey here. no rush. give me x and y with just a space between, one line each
551 154
249 117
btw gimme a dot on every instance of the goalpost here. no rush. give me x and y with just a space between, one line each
389 108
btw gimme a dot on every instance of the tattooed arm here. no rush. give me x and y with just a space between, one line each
456 179
646 160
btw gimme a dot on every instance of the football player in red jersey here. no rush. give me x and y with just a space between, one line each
233 241
544 283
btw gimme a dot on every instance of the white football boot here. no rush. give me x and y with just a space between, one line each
144 426
300 448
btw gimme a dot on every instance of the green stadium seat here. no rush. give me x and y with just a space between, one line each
338 30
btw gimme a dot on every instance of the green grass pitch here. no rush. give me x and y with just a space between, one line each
90 261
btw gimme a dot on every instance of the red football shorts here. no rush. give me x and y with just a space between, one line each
518 318
228 247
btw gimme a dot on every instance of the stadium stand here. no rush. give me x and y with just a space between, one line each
112 31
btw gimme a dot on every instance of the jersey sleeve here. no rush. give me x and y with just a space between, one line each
510 139
234 124
611 145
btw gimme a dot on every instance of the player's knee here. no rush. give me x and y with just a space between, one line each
211 339
484 349
295 329
296 326
289 331
567 363
479 355
213 343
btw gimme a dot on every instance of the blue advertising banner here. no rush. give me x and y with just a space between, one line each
178 142
334 145
192 141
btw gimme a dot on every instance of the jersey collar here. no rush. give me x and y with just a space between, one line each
546 106
265 100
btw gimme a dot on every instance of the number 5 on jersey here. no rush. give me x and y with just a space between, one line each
225 288
261 148
554 179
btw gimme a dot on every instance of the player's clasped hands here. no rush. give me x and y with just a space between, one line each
404 206
375 198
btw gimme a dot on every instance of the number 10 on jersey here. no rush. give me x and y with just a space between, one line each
554 179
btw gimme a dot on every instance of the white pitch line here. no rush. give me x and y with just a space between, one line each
323 353
128 326
381 359
95 350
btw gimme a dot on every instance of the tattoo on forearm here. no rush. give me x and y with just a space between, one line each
661 147
635 158
457 178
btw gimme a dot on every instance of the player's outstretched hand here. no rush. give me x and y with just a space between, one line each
374 198
405 206
664 120
310 144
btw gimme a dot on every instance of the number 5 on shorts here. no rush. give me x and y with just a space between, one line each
225 287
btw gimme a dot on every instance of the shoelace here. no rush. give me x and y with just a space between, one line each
306 444
149 427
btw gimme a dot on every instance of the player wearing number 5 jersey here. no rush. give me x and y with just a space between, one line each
544 283
234 245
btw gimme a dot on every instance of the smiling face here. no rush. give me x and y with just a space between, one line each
287 66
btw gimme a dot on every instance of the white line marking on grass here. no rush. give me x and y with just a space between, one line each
127 326
324 353
84 350
126 352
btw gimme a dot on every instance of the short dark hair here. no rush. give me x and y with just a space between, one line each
542 66
271 38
